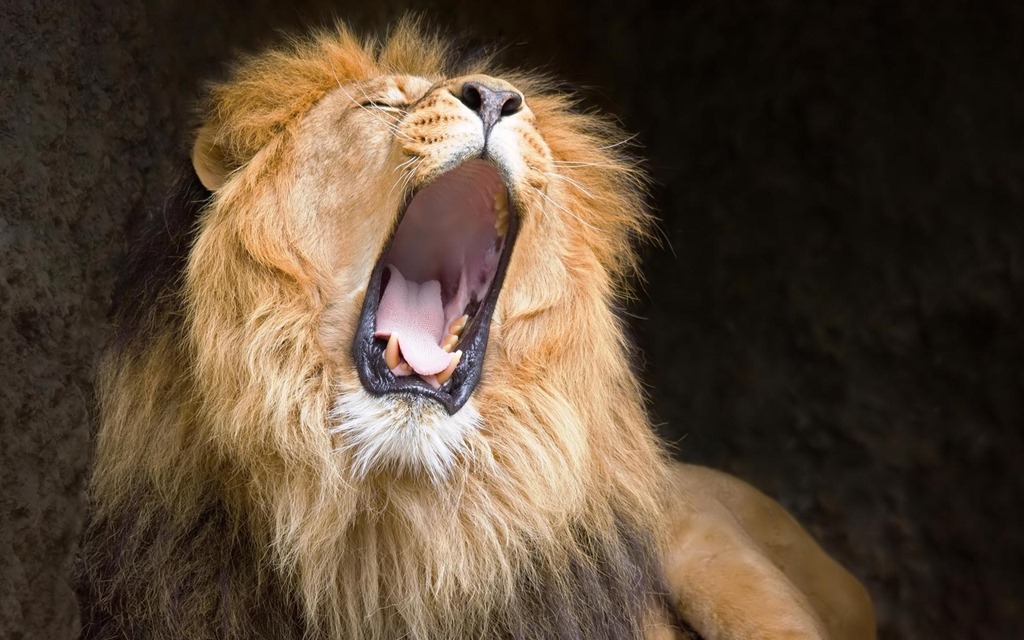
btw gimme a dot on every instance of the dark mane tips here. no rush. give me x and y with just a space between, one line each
147 292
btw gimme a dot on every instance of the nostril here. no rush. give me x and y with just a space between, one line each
513 103
471 96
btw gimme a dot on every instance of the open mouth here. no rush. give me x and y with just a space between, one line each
427 313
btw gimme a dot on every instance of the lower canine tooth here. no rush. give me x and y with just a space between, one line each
447 373
391 354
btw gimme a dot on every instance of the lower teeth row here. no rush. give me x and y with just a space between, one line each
399 367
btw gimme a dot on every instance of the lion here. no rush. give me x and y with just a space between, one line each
367 381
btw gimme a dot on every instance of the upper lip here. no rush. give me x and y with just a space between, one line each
368 351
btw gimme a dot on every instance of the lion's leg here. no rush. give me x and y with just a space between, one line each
739 566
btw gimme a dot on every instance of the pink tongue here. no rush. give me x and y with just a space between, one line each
414 312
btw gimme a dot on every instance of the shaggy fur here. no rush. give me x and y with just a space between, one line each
232 497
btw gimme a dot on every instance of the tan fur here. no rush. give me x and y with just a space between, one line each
741 567
236 400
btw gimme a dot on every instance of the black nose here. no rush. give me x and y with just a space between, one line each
489 103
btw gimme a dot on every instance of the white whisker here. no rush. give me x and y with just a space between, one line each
627 140
570 181
558 206
602 165
407 163
408 169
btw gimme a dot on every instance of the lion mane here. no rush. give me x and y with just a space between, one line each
246 485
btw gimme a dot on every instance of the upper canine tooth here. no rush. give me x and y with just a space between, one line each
501 212
391 353
447 373
449 342
458 324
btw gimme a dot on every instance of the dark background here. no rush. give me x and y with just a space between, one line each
835 313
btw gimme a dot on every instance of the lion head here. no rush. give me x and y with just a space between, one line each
373 340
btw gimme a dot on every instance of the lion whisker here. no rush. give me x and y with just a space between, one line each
407 176
600 165
625 140
407 163
558 206
570 181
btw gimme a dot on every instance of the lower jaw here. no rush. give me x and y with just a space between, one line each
378 379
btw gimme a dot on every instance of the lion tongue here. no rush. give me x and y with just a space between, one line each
414 312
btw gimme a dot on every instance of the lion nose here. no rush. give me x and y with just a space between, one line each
490 101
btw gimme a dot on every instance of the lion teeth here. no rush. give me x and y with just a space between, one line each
392 357
501 212
450 369
403 369
458 324
449 343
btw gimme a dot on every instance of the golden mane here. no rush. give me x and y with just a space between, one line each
218 474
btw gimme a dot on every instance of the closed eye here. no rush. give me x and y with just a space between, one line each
386 106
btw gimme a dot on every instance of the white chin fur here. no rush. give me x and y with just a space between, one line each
402 433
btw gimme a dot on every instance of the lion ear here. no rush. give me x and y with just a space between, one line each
208 159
